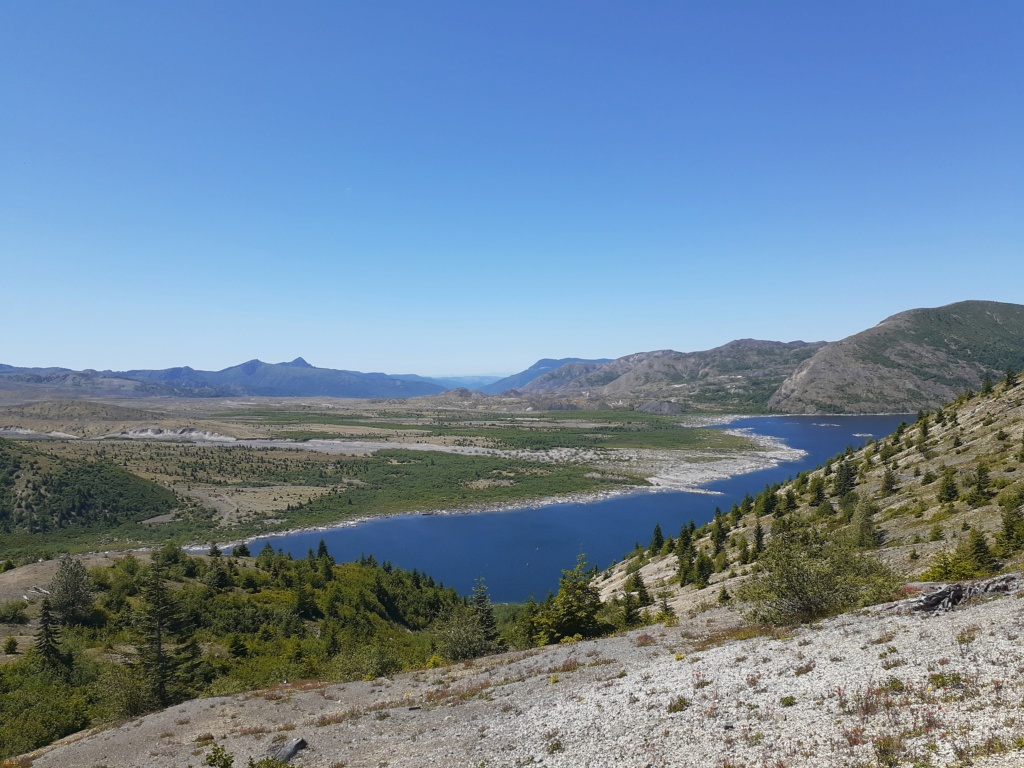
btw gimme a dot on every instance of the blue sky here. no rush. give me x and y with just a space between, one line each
454 188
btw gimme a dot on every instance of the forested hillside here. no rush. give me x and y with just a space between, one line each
40 492
940 499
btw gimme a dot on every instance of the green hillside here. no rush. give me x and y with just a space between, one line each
916 359
40 493
940 499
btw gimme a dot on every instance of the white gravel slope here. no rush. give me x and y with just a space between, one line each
884 687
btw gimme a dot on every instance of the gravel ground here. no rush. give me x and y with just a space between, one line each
880 687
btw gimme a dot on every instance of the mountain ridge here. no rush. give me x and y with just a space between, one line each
914 359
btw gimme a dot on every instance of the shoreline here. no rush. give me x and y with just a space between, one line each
677 475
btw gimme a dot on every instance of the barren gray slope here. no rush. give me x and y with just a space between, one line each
865 688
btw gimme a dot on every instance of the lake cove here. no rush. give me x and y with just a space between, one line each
522 552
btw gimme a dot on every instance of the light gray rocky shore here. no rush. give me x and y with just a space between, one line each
881 687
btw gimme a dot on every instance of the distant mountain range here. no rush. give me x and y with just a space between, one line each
915 359
253 378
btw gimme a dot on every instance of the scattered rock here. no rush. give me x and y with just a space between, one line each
289 749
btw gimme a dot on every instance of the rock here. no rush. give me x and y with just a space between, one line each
288 750
948 597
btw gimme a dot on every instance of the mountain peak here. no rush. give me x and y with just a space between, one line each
298 362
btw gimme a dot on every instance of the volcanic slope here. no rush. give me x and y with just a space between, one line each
915 359
739 376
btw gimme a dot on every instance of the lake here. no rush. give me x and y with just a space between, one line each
522 552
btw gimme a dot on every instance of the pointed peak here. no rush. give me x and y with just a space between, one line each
298 362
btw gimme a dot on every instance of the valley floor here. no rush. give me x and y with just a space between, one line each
884 687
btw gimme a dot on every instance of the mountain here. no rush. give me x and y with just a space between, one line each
742 374
541 367
912 360
296 378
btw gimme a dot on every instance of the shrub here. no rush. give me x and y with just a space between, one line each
678 704
803 578
13 612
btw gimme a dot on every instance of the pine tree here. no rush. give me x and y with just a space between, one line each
948 490
71 595
845 479
890 483
758 538
703 568
635 585
863 531
573 611
48 637
657 540
158 622
630 610
488 621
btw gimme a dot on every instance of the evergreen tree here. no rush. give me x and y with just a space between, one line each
635 586
305 606
703 568
573 611
685 567
630 610
864 534
657 540
744 547
845 479
322 553
816 488
159 620
890 483
948 489
719 535
48 637
71 596
488 622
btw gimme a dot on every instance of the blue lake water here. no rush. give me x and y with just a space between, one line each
522 552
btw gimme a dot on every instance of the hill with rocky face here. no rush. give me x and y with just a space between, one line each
740 375
915 359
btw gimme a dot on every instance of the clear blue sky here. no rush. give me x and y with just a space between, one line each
452 188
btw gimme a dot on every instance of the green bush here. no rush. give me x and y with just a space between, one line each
804 578
13 612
